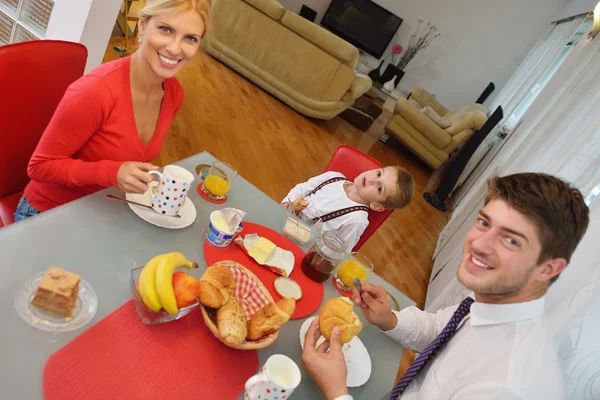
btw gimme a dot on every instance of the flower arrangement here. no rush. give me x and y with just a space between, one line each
420 39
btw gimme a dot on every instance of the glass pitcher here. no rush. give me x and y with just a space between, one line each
323 257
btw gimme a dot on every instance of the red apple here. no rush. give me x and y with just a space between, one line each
186 289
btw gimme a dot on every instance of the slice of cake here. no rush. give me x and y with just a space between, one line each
57 293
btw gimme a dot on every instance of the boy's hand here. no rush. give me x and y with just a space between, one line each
287 205
375 306
326 368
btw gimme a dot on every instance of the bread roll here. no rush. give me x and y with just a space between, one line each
231 322
299 205
339 312
215 286
270 318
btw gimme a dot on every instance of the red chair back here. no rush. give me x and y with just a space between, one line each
352 162
33 78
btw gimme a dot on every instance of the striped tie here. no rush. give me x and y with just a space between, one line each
433 348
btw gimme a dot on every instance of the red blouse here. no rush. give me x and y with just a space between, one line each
91 134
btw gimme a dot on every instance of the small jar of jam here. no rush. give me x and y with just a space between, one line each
323 257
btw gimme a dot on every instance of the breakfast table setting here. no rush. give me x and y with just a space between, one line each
203 287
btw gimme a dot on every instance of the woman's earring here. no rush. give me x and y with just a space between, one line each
140 38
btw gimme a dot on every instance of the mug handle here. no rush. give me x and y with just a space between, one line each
157 173
254 380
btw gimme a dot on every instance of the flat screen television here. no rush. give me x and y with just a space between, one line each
363 23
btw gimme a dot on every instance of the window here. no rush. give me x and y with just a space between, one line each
23 20
513 120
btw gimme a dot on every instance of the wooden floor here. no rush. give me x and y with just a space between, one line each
274 148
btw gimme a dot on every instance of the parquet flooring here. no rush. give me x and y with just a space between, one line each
274 147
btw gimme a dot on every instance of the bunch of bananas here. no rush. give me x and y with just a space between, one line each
156 281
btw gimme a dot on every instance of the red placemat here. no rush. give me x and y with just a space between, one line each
205 196
312 292
121 358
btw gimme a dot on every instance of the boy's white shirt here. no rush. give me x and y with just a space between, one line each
331 198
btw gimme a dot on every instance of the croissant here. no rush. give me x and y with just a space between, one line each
216 286
270 318
231 322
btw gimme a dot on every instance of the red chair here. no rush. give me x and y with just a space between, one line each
352 162
33 79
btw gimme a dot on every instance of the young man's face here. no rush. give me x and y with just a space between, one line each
377 185
500 256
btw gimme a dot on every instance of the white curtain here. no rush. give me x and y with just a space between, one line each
560 135
521 84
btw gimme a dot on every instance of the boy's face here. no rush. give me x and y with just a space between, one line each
377 185
500 256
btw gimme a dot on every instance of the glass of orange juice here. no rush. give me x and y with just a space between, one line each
219 179
355 265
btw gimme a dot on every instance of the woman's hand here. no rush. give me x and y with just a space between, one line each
326 368
133 177
375 306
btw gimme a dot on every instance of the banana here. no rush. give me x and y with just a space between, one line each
164 279
147 283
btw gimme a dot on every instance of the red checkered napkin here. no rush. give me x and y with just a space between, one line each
247 292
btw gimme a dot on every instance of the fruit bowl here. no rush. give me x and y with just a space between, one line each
148 316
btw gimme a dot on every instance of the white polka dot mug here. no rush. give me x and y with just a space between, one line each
173 187
276 380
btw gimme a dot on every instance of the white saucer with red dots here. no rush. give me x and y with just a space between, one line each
187 212
358 361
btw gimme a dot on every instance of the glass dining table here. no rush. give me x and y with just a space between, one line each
101 240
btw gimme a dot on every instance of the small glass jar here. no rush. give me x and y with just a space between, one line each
323 257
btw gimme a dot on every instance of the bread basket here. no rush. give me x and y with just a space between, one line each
210 314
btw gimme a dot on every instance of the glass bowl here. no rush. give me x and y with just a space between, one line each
148 316
302 231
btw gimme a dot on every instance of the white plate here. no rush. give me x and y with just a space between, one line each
358 361
187 212
85 307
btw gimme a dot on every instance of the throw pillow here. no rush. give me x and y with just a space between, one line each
432 115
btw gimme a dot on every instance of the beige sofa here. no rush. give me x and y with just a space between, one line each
302 64
423 136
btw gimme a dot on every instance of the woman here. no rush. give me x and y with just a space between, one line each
112 122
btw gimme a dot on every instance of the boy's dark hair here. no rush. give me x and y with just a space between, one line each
406 190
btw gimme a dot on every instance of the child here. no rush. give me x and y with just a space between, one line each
343 205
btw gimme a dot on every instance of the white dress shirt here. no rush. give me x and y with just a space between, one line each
500 351
331 198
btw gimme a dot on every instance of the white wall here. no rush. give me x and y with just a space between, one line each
576 7
89 22
482 41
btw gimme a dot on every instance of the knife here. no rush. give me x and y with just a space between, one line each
357 285
116 198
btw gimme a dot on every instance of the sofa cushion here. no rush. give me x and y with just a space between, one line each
470 116
8 206
322 38
423 97
432 115
270 7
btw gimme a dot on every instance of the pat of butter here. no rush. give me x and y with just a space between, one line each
262 250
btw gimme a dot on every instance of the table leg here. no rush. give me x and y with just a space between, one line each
384 138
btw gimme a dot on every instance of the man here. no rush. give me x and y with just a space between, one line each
498 343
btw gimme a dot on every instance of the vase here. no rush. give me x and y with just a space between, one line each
375 74
392 72
390 85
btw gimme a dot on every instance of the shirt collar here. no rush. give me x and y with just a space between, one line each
493 314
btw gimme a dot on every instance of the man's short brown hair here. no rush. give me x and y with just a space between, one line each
556 208
405 185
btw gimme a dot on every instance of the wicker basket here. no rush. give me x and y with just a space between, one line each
210 314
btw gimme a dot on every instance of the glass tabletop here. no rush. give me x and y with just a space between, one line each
100 240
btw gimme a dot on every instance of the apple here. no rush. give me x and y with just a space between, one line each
186 289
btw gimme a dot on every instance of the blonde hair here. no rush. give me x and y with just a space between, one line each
156 7
405 185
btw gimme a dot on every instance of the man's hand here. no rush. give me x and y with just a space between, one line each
133 177
375 306
327 369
